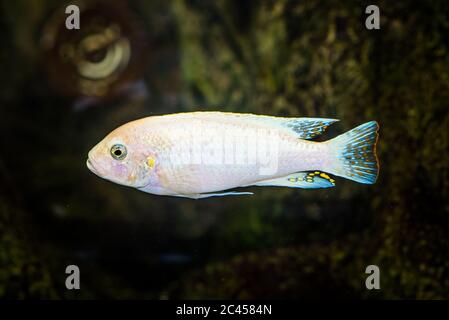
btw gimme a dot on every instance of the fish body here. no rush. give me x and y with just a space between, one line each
201 154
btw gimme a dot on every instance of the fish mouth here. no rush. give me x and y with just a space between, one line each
91 167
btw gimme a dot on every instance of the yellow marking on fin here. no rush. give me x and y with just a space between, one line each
325 176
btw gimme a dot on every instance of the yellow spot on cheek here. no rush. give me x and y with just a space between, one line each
151 162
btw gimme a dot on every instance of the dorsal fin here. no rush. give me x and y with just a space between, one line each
303 128
308 128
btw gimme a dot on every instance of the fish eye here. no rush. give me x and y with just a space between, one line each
118 151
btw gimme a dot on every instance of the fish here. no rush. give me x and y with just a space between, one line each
209 153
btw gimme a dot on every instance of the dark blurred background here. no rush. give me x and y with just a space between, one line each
61 91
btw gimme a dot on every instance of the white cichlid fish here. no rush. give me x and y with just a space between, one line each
200 154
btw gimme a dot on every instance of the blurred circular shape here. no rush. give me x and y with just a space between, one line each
103 57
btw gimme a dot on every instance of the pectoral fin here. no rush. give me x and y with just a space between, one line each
305 180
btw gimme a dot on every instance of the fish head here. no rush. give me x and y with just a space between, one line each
123 157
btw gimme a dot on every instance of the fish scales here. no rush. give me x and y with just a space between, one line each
197 131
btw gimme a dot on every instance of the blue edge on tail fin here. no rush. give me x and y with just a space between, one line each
355 154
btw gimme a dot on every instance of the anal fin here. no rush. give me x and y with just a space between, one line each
305 180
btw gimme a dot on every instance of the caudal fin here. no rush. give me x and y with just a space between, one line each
353 154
